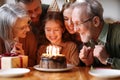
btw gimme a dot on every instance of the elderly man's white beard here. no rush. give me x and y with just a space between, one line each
85 38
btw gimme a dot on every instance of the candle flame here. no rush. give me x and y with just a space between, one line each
53 50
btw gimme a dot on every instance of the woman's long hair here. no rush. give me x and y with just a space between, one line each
9 13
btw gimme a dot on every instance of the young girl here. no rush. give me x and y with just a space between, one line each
55 33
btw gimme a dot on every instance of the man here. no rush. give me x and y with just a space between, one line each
103 38
36 11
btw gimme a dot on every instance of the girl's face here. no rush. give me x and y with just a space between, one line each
53 32
68 20
21 27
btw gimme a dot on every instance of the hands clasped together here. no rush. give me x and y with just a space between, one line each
17 48
87 54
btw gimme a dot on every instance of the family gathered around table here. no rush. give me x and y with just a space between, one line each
91 46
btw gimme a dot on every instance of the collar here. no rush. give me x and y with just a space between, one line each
103 35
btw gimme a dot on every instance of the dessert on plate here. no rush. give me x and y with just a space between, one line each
52 59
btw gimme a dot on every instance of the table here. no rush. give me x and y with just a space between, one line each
77 73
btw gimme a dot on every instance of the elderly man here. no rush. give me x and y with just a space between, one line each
101 40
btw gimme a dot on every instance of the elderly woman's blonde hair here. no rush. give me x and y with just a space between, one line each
9 13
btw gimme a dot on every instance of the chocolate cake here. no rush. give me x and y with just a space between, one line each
53 61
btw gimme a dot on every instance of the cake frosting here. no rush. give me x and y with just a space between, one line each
53 61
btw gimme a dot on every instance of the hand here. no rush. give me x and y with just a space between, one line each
17 48
86 55
100 53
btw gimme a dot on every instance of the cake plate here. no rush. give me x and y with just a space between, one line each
69 67
13 72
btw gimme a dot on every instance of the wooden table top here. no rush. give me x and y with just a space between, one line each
77 73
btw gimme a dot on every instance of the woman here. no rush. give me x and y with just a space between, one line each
73 36
14 26
67 12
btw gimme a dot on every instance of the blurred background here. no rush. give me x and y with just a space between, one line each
111 7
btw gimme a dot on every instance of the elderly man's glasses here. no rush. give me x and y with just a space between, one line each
77 25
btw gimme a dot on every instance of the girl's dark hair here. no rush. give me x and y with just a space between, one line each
58 17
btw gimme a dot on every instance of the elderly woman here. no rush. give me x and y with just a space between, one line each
14 26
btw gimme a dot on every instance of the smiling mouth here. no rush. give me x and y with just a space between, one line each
71 27
52 38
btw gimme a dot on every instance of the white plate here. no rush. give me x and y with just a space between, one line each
69 67
13 72
105 73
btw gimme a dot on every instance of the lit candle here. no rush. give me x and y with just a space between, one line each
47 50
58 50
52 50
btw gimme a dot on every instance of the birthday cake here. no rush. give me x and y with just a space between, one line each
51 61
